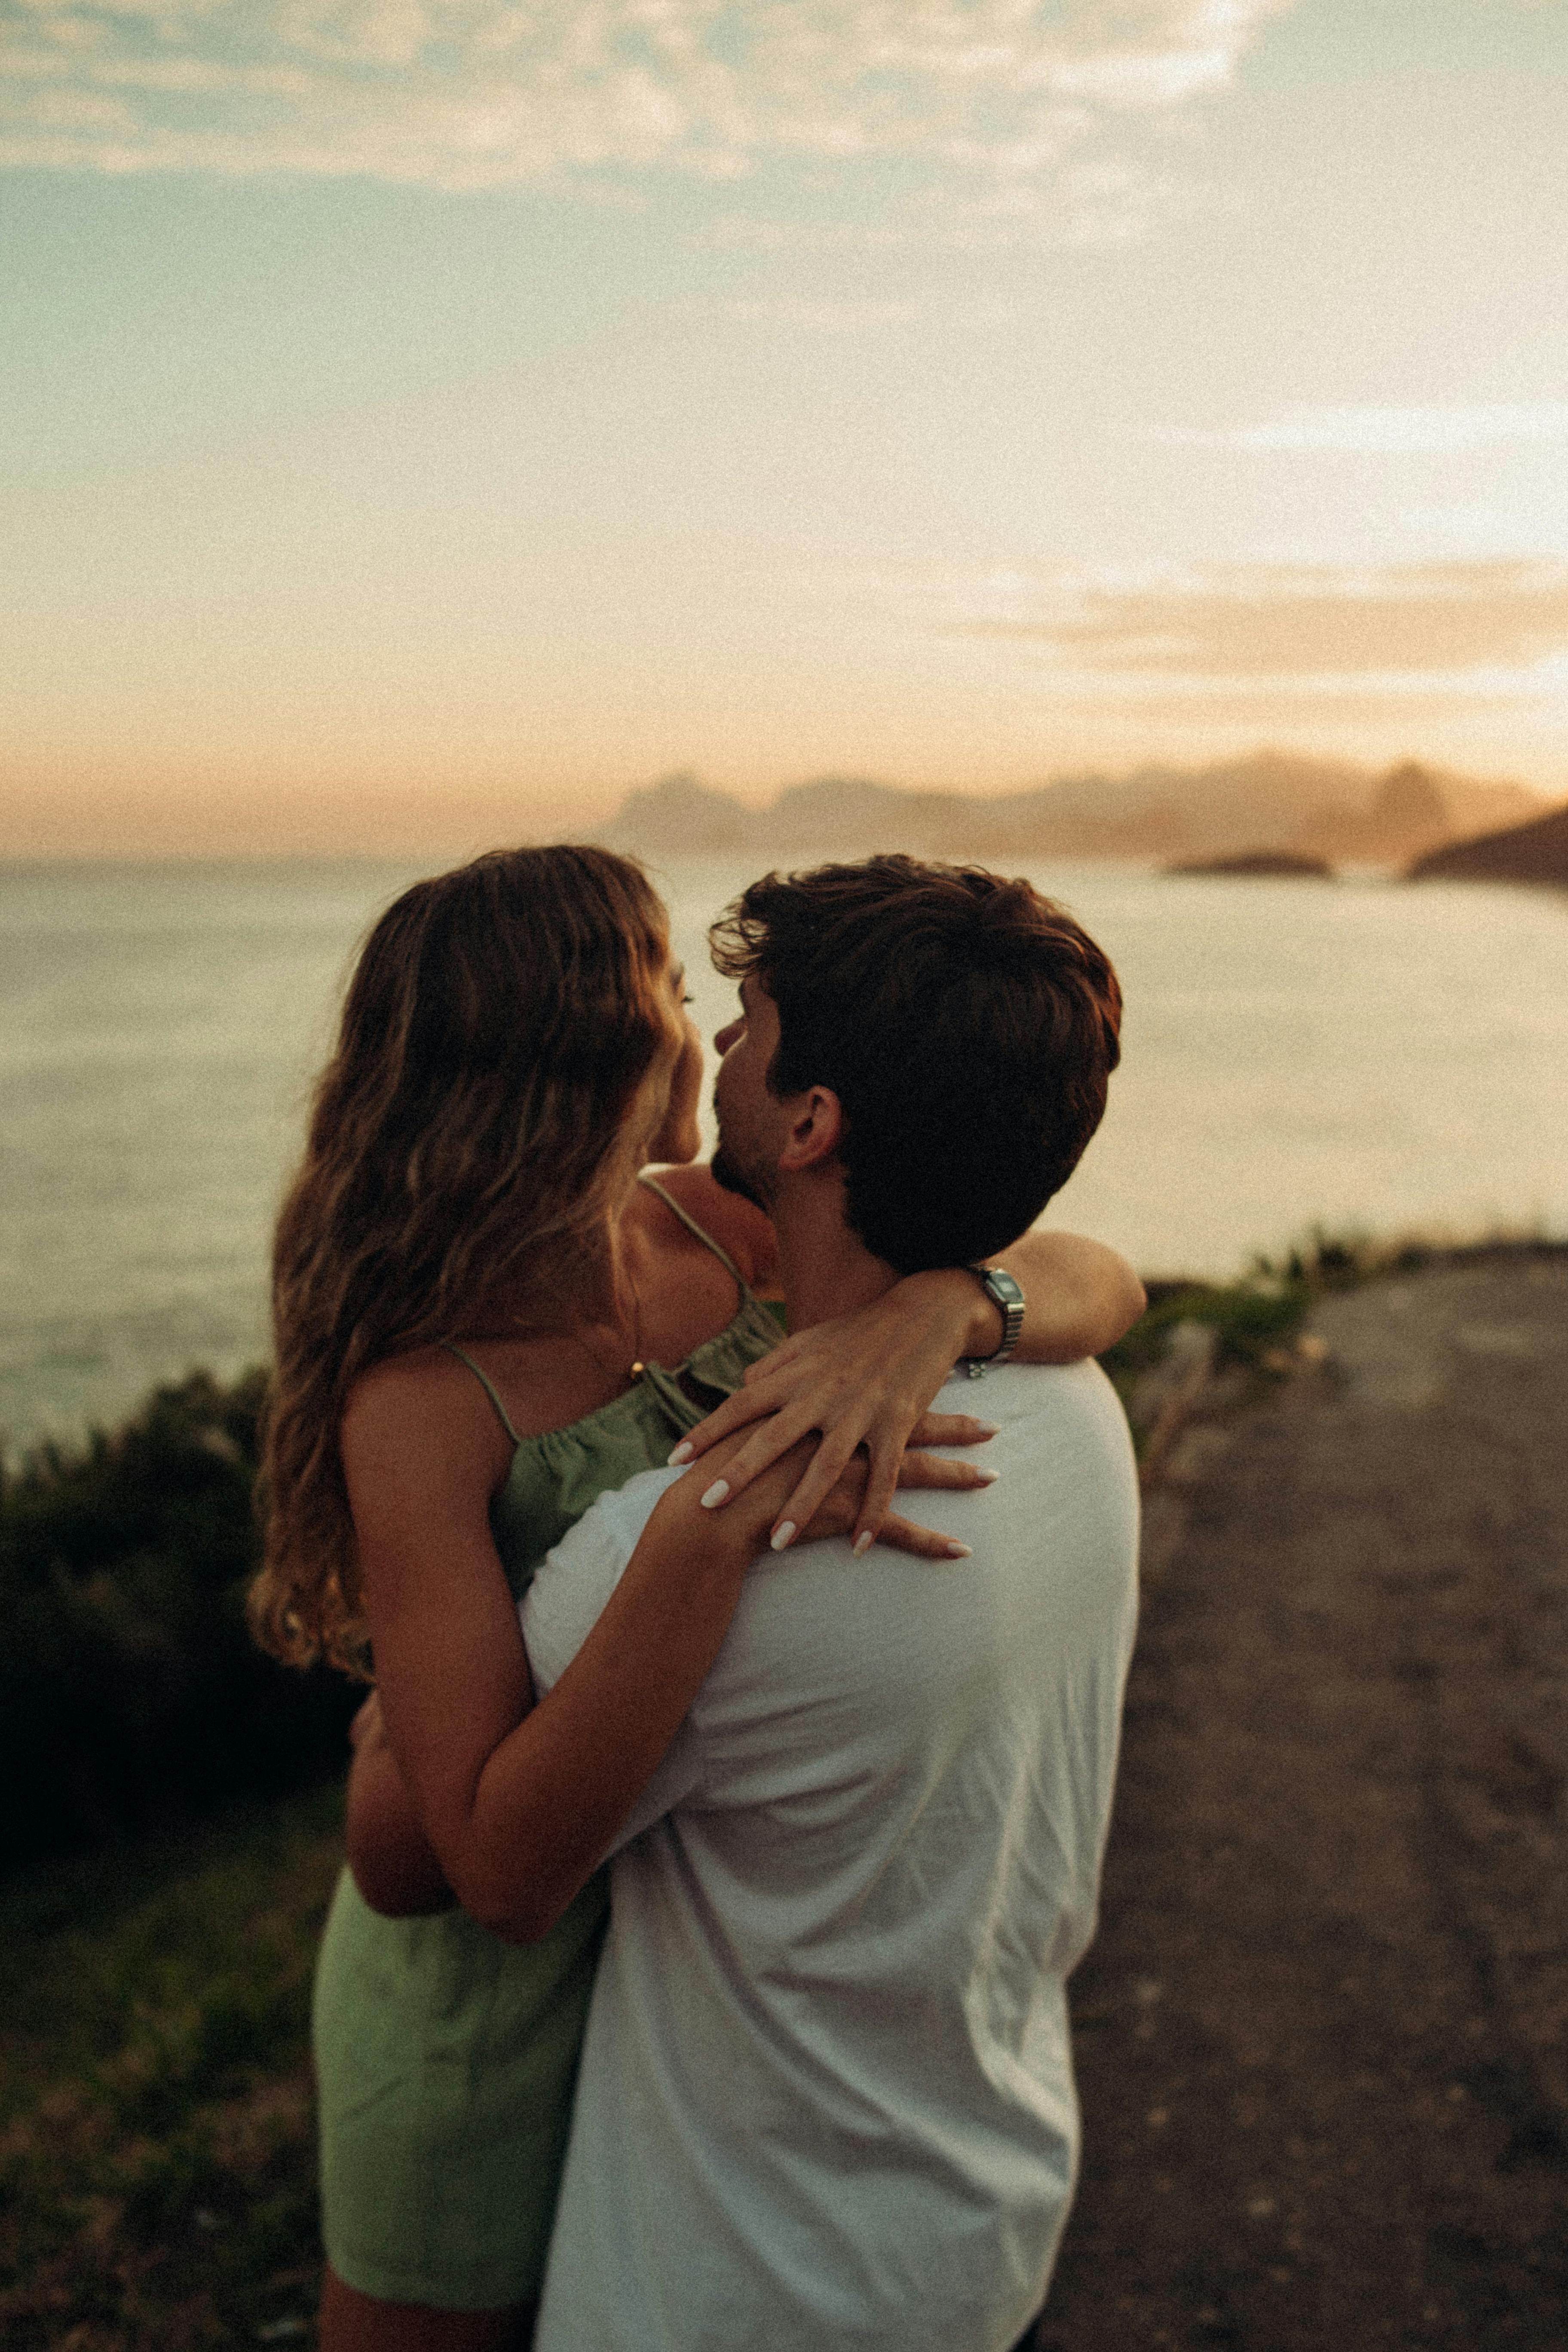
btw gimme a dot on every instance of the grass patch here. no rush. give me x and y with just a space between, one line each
157 2145
1262 1314
1251 1318
1258 1318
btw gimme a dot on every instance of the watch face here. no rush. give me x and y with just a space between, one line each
1005 1292
1007 1297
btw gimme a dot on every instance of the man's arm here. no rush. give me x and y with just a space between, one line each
867 1379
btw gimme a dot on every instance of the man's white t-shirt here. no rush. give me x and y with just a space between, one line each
826 2096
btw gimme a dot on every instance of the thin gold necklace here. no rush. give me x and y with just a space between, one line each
637 1367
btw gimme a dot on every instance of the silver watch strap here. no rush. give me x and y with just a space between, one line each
1007 1294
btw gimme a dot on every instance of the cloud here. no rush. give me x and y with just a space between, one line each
1388 432
1487 628
999 99
827 316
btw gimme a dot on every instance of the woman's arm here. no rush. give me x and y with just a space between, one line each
517 1833
517 1803
392 1861
869 1378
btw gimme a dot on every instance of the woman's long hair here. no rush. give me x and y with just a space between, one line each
465 1138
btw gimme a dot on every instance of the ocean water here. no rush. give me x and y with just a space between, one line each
1356 1056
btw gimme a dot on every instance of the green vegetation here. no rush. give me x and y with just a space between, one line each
1251 1319
129 1688
1257 1321
130 1692
1258 1318
157 2162
157 2157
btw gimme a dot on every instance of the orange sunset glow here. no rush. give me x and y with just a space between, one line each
423 426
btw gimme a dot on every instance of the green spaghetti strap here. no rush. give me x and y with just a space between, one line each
673 1205
485 1383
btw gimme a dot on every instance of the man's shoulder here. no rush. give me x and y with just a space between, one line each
1065 1459
609 1527
578 1574
1064 1399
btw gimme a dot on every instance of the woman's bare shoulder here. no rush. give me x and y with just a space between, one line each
738 1225
422 1455
419 1402
403 1384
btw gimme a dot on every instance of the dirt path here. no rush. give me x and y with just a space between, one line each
1323 2037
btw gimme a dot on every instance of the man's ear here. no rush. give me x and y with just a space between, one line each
816 1129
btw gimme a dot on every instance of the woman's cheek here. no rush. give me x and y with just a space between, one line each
679 1137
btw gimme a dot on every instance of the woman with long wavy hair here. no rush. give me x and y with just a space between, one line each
486 1314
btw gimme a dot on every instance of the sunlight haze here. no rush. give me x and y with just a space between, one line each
423 425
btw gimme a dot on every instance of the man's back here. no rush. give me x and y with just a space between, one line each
826 2093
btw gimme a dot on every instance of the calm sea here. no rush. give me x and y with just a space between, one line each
1355 1056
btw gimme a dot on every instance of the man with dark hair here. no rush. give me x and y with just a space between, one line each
967 1026
827 2093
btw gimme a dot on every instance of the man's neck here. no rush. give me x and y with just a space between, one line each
825 1269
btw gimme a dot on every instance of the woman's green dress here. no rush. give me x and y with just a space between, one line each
445 2058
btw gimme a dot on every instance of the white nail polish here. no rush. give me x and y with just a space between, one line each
784 1535
987 1477
863 1544
719 1492
959 1551
989 1428
682 1454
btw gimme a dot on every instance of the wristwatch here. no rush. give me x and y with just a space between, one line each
1004 1292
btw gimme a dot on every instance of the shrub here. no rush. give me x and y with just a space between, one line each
1249 1317
129 1684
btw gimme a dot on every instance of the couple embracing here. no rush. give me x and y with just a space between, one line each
719 1844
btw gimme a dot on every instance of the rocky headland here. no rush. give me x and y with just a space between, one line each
1261 865
1536 852
1270 802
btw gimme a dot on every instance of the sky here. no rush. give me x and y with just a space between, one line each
421 423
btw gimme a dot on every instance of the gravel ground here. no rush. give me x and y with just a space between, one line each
1324 2036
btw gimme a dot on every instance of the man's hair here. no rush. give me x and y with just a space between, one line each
966 1024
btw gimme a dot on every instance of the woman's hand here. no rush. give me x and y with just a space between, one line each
367 1732
868 1378
871 1377
393 1863
863 1380
839 1512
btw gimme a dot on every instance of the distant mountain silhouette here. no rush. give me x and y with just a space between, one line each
1265 865
1537 852
1271 801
